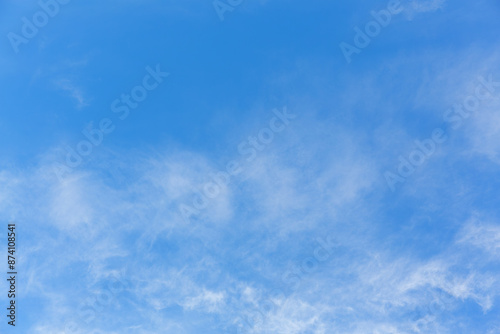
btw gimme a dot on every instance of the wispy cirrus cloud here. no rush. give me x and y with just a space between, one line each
73 91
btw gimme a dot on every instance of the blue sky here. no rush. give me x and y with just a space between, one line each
269 183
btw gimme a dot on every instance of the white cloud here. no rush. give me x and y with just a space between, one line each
481 235
415 7
75 92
